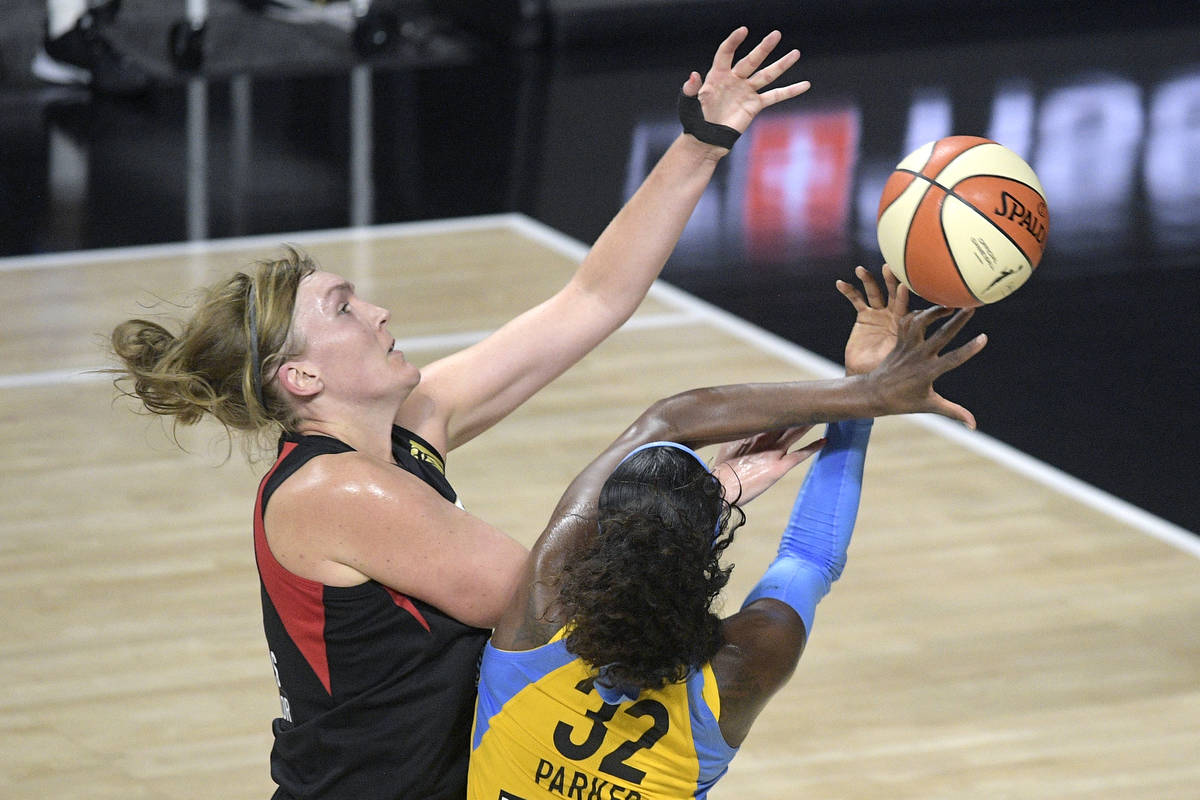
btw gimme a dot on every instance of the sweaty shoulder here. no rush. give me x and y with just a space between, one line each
319 511
762 645
332 477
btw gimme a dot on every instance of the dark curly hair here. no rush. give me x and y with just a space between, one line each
637 594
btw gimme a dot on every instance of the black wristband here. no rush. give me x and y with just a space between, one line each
692 117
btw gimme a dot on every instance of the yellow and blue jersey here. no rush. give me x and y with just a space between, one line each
543 729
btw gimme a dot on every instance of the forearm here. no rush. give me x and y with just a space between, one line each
724 413
478 386
812 550
629 254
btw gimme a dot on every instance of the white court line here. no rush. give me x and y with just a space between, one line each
265 241
415 344
693 309
53 377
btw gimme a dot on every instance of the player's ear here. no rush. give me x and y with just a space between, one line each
300 379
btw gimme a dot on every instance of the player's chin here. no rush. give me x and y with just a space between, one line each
412 374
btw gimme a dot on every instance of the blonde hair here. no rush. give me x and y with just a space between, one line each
210 366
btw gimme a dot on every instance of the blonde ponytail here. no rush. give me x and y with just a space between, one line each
222 362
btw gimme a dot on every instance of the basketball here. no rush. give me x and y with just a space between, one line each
963 221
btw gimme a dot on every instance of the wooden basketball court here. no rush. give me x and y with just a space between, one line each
1000 631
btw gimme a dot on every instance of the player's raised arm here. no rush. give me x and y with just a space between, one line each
466 393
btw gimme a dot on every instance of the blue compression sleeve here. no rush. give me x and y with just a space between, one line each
812 551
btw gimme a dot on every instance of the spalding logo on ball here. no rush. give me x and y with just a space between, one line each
963 221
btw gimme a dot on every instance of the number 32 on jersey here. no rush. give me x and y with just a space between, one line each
579 745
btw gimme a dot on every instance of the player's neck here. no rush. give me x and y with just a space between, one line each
367 431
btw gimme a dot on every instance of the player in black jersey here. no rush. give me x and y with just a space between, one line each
377 588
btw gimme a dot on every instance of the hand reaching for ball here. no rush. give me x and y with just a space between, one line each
878 322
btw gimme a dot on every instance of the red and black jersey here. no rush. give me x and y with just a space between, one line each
377 689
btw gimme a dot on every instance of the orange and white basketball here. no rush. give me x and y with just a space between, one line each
963 221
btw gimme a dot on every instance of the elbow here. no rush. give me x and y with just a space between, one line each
646 428
678 418
663 421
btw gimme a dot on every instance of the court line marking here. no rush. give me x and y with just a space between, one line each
690 308
258 242
414 344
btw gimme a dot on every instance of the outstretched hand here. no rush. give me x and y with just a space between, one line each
730 93
905 376
748 467
878 321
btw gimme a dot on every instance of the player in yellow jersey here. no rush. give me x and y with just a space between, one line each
609 676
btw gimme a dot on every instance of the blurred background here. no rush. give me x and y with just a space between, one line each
271 118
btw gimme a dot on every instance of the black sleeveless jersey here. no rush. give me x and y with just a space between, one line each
377 689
